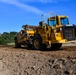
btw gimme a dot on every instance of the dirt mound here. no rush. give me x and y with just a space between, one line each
23 62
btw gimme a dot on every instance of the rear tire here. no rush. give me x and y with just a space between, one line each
37 42
16 44
56 46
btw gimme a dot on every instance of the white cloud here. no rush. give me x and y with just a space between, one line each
44 1
22 5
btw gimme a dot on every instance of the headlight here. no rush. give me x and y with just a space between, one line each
60 28
56 30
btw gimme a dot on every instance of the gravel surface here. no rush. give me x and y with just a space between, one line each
23 61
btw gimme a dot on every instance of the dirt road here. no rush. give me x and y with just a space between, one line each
23 61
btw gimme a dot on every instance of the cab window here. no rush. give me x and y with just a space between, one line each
52 22
64 21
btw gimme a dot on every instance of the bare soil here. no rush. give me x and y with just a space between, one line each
23 61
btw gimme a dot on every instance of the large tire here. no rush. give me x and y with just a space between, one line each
56 46
37 42
16 44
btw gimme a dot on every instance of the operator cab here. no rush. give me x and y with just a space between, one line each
58 20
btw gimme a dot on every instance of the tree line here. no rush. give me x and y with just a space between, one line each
6 37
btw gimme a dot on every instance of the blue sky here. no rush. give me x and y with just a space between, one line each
15 13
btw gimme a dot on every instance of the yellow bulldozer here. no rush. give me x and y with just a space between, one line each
57 31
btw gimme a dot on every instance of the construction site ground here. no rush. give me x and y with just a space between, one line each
23 61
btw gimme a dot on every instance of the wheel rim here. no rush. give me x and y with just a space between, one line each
36 43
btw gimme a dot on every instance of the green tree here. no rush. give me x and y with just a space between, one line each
6 37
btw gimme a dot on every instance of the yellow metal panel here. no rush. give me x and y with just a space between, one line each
30 32
58 36
62 41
